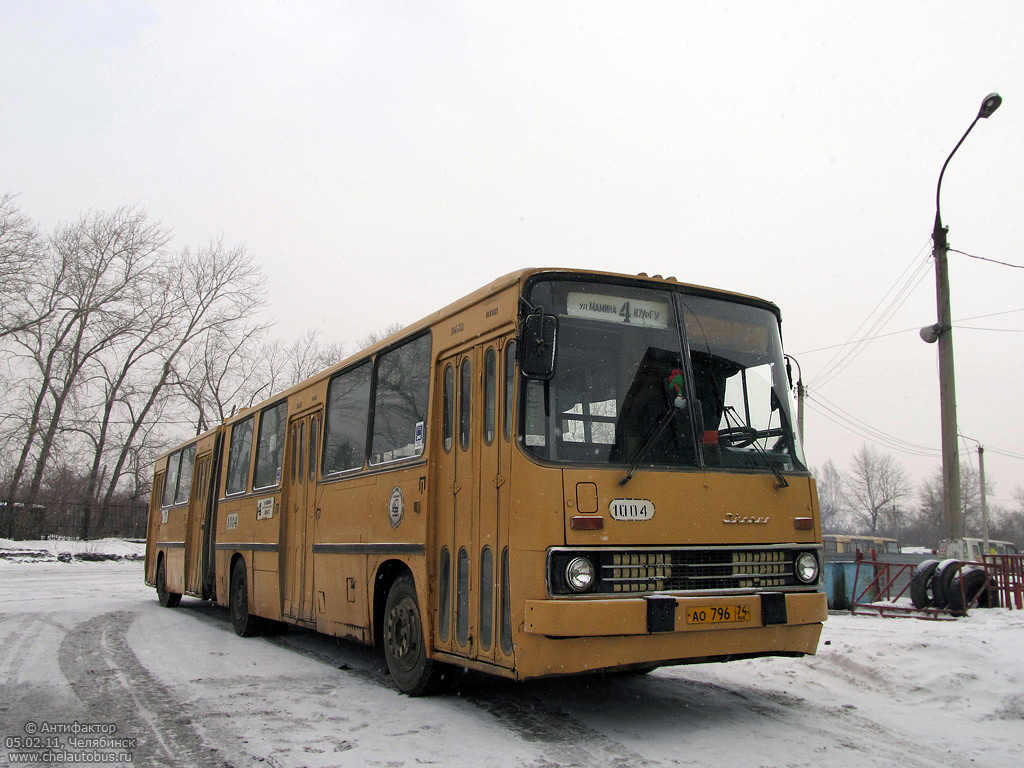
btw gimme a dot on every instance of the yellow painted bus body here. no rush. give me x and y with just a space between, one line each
481 524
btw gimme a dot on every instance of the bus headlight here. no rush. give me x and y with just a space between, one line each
579 574
806 567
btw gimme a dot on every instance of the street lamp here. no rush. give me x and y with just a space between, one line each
942 332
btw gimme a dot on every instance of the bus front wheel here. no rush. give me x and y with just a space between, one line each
404 642
244 623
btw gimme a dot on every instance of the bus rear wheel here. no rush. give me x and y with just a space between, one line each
243 622
404 641
166 598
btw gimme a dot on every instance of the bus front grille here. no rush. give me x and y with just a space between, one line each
683 569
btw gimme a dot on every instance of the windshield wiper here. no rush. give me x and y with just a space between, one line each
674 407
780 480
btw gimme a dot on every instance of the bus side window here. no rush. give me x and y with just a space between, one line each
348 408
295 449
462 598
444 594
448 400
401 388
506 606
313 426
486 598
270 446
171 483
510 386
490 394
465 404
239 454
188 456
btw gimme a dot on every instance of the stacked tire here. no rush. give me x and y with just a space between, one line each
947 584
967 584
921 594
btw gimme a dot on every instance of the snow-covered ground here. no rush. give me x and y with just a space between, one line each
87 642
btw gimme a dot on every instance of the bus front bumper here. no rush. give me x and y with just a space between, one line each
661 613
590 635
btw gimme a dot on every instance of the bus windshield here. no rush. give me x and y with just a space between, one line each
659 378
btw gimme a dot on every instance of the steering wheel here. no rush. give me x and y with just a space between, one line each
738 437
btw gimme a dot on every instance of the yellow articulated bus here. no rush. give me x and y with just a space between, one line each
564 472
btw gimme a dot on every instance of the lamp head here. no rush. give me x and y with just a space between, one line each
990 105
930 333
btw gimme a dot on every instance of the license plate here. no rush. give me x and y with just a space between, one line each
717 614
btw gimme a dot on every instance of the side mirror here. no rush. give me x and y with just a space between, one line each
537 346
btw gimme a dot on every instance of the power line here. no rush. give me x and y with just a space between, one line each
851 423
900 291
997 330
982 258
956 324
1007 454
842 418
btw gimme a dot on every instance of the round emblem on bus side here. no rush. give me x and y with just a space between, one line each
396 507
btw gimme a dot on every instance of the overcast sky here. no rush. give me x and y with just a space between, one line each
382 159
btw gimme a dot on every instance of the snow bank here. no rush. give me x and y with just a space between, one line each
70 550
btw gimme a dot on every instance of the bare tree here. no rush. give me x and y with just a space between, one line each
307 356
1008 524
21 249
373 338
875 488
929 524
232 372
831 501
213 290
222 372
90 279
94 377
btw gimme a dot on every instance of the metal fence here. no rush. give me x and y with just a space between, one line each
1007 574
23 523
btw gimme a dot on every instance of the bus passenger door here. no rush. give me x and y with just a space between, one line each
194 538
472 519
296 559
454 621
490 551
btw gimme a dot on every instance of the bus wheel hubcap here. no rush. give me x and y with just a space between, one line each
402 629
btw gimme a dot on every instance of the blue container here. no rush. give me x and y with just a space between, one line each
839 578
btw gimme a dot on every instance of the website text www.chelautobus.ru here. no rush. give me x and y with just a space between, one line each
69 743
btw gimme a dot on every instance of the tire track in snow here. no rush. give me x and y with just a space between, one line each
106 675
567 741
834 726
554 715
28 643
19 701
11 650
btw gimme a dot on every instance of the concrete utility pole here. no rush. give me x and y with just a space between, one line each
984 504
942 332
